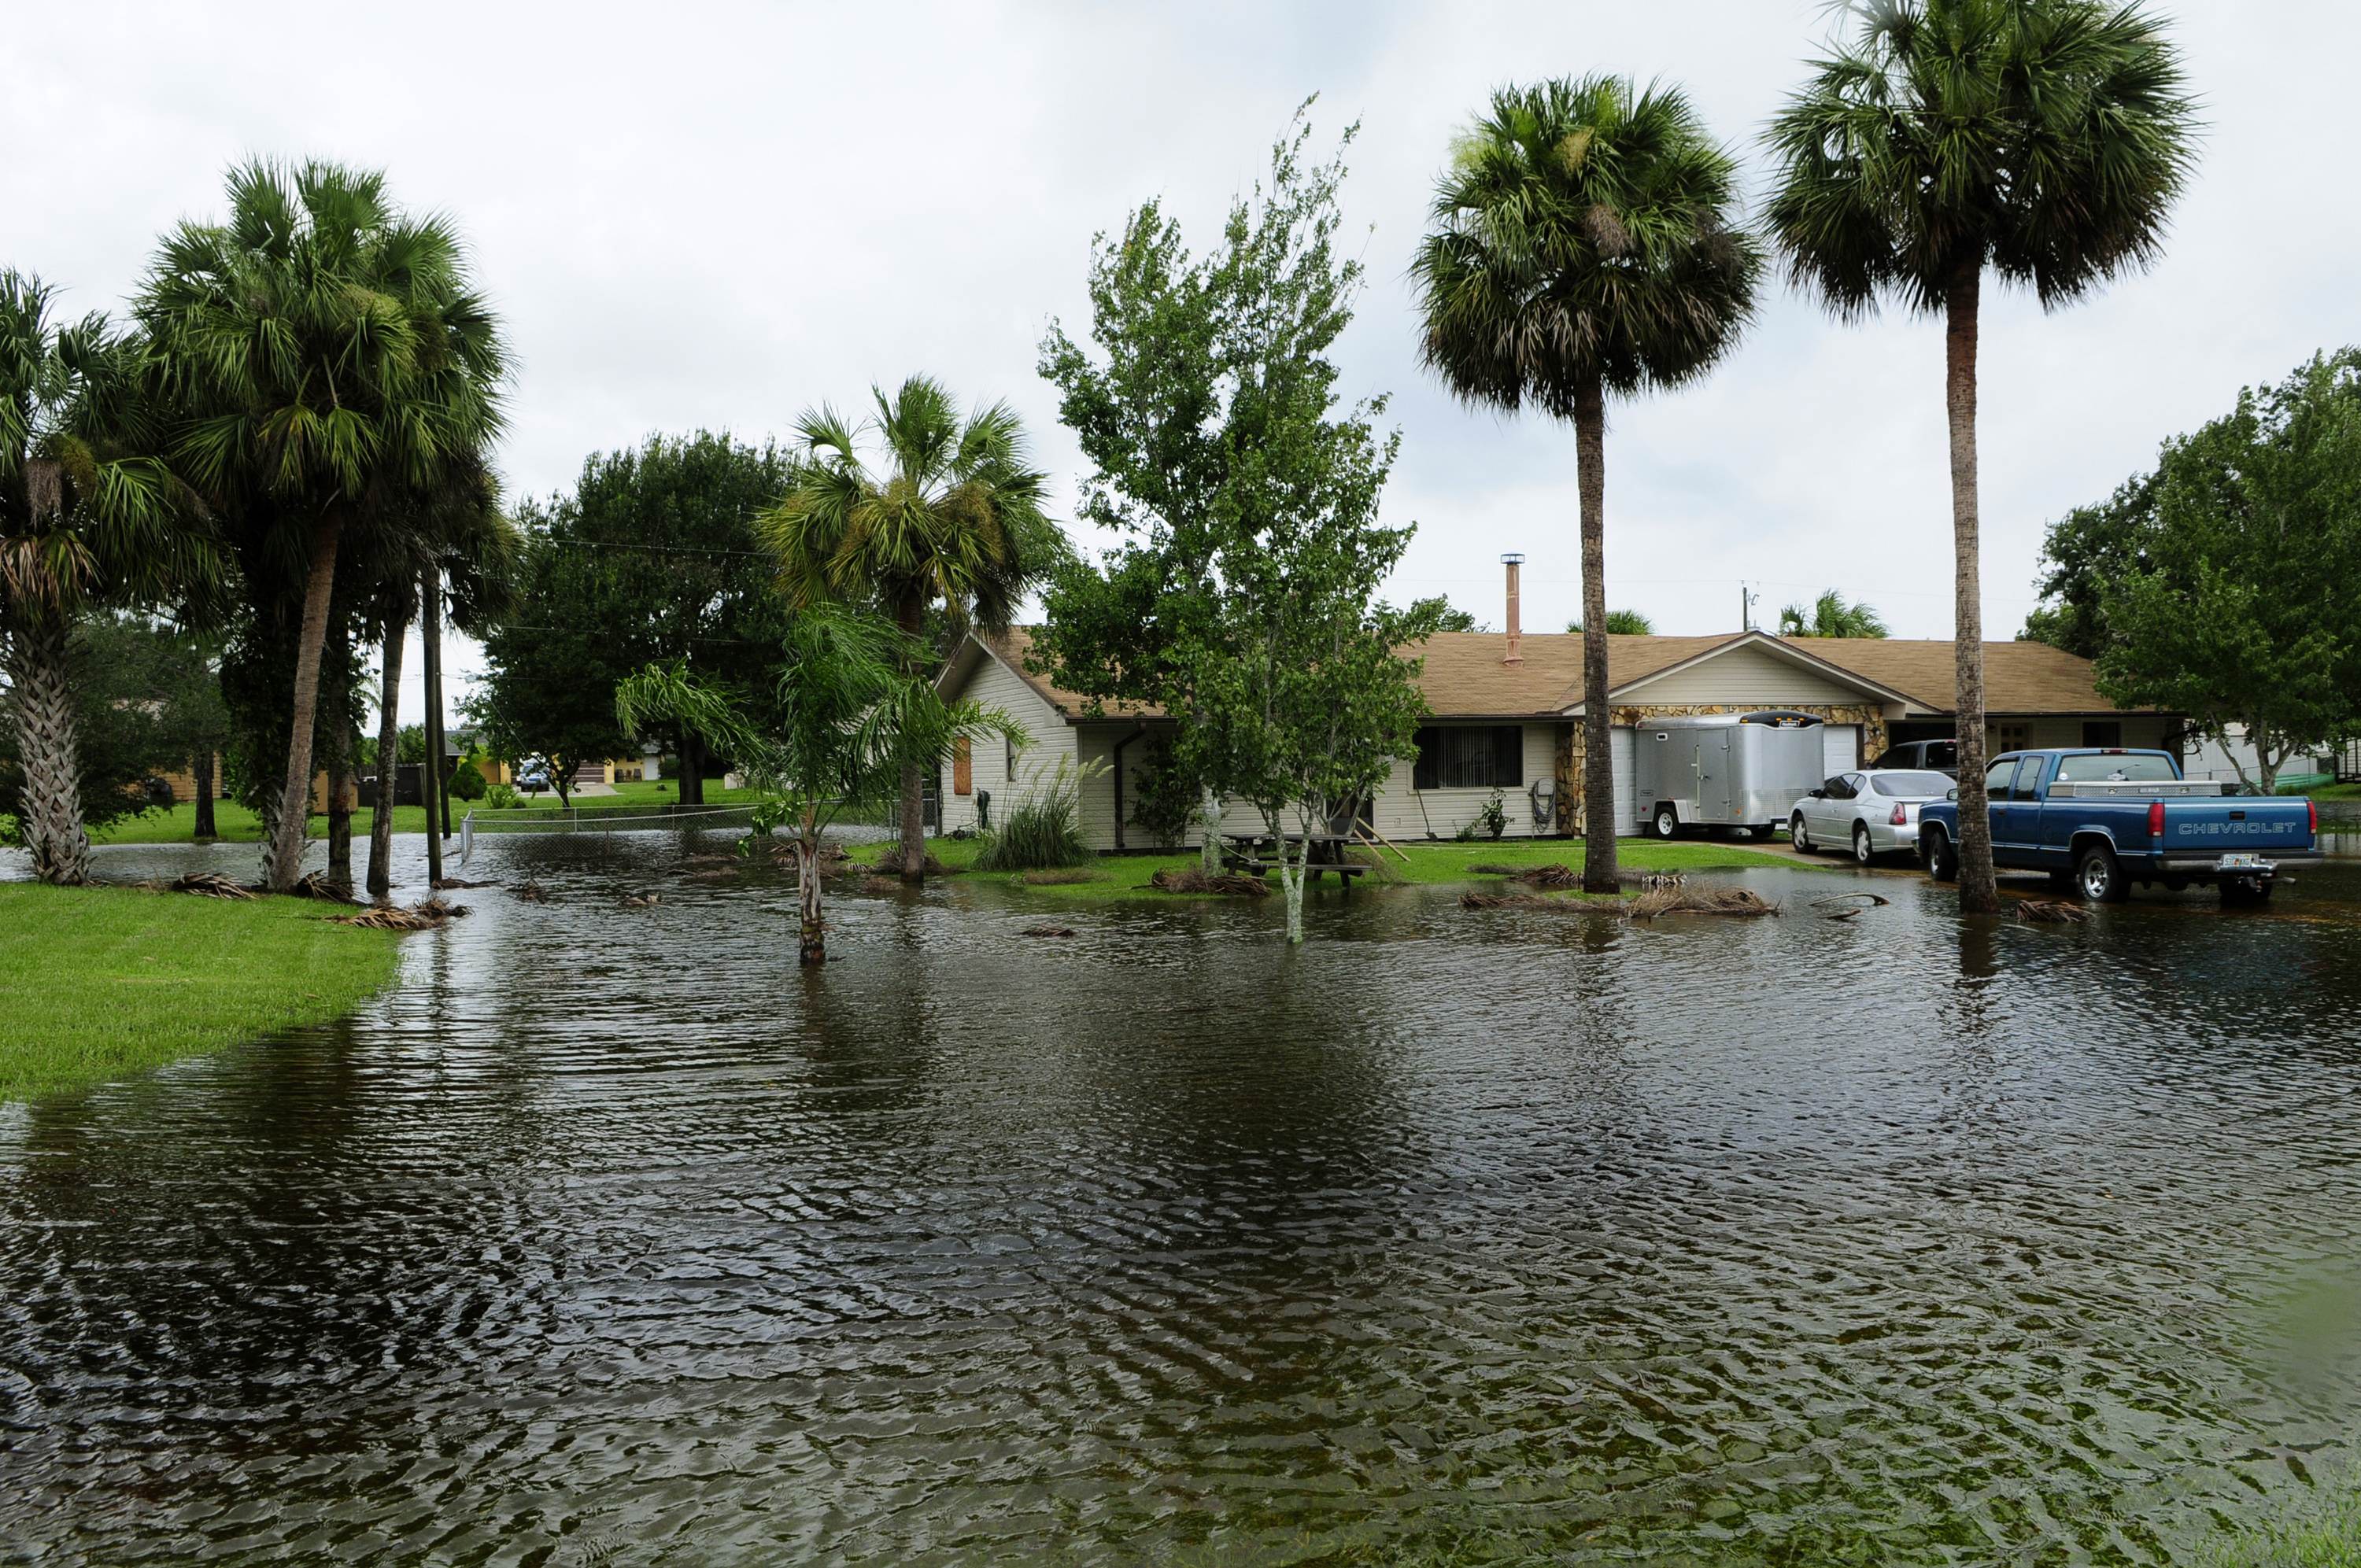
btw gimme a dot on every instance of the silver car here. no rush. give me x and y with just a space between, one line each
1875 811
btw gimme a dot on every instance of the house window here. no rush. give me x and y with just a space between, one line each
1470 756
2102 732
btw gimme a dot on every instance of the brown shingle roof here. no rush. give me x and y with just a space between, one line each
2019 677
1464 676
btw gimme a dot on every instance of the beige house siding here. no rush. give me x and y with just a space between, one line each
1740 679
1047 737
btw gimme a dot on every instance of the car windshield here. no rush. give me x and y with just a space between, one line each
1911 786
2115 768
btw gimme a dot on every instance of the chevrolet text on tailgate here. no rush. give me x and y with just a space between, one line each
2106 819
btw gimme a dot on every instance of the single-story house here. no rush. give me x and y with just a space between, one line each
1506 715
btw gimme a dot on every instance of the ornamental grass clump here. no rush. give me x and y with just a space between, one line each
1044 832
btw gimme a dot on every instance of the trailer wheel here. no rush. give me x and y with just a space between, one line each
1668 822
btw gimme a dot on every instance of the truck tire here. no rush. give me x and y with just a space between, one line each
1667 822
1942 860
2100 876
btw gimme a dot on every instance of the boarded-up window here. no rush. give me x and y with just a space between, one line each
962 767
1470 756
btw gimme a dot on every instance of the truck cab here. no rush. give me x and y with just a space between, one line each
2107 819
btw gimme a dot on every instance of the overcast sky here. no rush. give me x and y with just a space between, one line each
715 216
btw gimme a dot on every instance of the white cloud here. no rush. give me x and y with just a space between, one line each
716 215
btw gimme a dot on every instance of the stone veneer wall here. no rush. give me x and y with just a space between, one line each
1570 747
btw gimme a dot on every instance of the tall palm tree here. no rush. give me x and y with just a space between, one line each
333 359
89 512
1585 245
951 517
2043 139
1831 616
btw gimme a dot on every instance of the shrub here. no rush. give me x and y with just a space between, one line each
1491 822
12 832
1044 830
502 797
467 782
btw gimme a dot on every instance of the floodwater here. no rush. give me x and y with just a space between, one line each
1456 1235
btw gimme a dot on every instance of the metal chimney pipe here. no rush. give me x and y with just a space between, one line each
1516 654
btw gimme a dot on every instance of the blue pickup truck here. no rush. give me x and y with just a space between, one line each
2105 819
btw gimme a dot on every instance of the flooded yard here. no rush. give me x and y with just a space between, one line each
1461 1233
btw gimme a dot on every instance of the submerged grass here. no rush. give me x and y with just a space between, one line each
2325 1536
99 981
1127 877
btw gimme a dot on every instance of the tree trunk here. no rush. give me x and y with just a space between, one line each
388 762
811 932
1979 891
201 773
430 630
295 796
45 739
335 681
1291 873
1598 751
911 616
692 770
1209 855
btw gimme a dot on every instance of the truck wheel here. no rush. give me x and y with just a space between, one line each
1668 822
1799 836
1942 860
1863 853
2100 876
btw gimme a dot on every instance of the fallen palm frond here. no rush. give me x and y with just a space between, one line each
454 882
209 885
2051 911
1065 878
424 916
1521 901
1554 874
1699 900
1845 905
1651 882
1048 931
315 884
530 892
1194 880
890 864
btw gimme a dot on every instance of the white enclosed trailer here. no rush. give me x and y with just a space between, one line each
1724 770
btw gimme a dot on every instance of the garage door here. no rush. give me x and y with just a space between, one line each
1842 742
1627 813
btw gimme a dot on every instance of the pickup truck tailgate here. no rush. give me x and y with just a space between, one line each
2236 825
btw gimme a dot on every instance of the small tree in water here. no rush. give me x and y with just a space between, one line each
849 716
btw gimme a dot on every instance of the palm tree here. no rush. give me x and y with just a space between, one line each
333 361
1831 616
1620 623
88 514
1584 245
953 517
2045 139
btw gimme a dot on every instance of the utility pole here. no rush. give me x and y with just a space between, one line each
1746 598
430 777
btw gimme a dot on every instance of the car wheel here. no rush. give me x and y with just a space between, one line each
1799 836
2100 876
1942 860
1668 823
1863 852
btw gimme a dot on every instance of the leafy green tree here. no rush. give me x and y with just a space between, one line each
1831 616
89 515
2234 600
1585 244
833 740
2083 552
952 517
332 359
548 690
2044 140
1620 623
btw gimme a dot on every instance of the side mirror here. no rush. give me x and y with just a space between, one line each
1819 795
1951 795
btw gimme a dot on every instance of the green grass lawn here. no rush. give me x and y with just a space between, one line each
1127 876
99 981
2327 1536
2336 791
234 824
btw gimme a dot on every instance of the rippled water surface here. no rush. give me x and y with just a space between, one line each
608 1234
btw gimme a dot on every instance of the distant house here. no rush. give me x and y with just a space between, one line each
1507 712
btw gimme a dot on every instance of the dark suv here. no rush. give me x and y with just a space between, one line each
1943 756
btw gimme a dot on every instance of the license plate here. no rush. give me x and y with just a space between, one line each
2240 864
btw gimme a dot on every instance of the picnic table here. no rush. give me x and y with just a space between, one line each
1253 852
